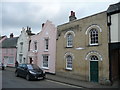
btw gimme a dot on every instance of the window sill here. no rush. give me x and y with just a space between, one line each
68 69
46 68
93 45
21 53
69 47
45 50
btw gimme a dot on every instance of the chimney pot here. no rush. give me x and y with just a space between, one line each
71 13
72 16
27 27
11 35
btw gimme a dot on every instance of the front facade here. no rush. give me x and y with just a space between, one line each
2 38
43 48
82 48
9 51
23 45
113 14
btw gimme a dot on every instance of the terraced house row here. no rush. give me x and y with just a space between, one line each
85 49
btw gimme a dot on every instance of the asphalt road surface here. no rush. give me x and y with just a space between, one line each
10 81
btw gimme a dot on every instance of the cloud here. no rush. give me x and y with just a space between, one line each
19 13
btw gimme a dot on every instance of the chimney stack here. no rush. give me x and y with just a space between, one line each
28 30
27 27
11 35
72 16
43 25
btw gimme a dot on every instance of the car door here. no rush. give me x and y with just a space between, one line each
19 69
24 70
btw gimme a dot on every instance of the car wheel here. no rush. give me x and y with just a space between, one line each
28 77
16 74
43 78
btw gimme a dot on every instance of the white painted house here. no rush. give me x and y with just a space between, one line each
23 45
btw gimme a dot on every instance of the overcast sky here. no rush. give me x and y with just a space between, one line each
16 14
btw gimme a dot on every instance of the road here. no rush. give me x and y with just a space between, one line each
10 81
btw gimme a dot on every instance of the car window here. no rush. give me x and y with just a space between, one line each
33 67
20 65
29 66
24 66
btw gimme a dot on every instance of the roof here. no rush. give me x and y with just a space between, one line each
1 37
114 8
82 18
10 42
30 34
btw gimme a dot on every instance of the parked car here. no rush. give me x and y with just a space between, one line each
29 71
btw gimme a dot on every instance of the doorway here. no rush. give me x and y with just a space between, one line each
94 70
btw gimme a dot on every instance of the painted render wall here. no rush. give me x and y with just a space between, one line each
1 48
24 38
33 53
81 66
115 27
6 54
48 31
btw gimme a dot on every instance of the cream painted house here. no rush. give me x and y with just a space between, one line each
82 48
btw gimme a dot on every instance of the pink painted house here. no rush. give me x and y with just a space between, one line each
2 38
43 48
9 51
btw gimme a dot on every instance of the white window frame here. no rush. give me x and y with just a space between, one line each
35 45
96 35
47 61
11 58
21 47
69 40
93 56
68 68
20 58
46 44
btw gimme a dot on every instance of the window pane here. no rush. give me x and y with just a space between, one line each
46 44
35 45
93 36
11 60
93 57
45 60
69 40
69 62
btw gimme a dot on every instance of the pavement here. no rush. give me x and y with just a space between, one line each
75 82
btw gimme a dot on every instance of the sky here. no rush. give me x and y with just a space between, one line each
15 14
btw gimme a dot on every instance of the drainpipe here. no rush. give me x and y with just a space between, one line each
109 47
